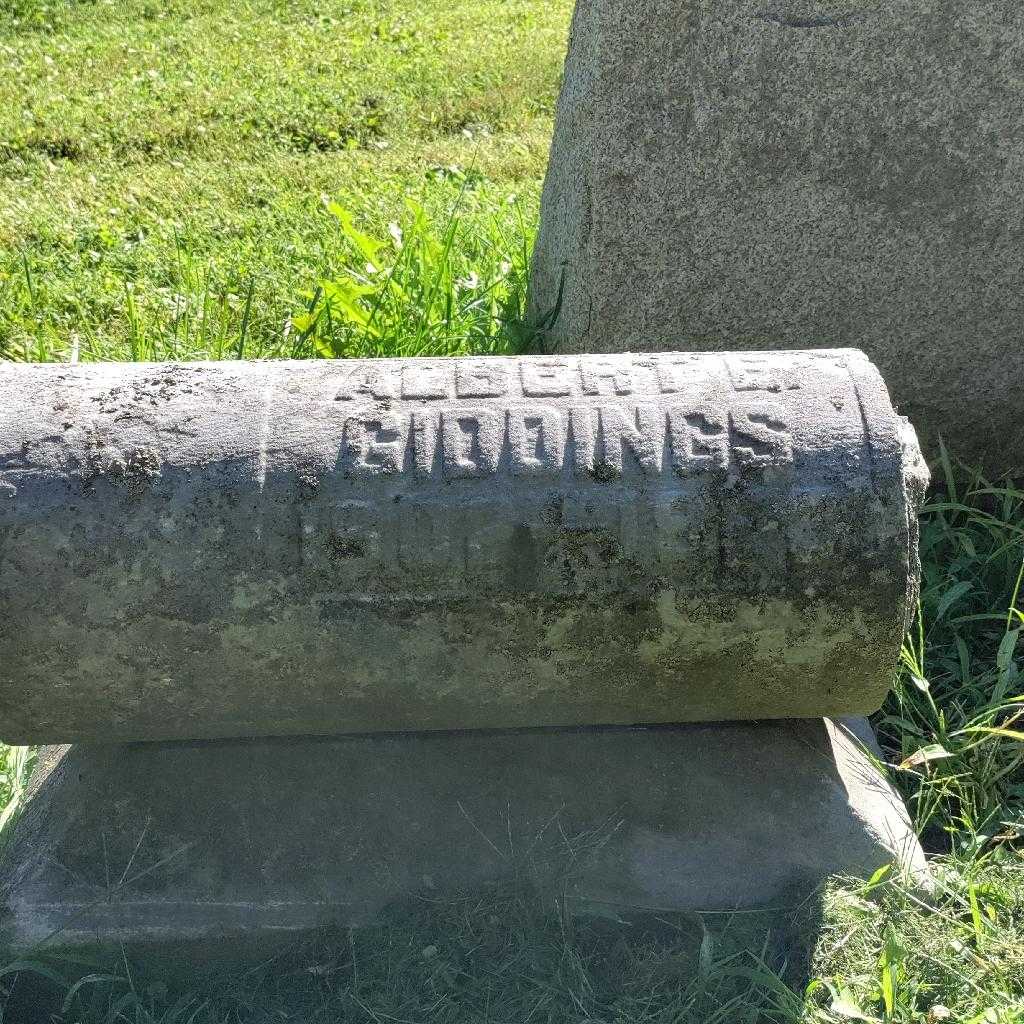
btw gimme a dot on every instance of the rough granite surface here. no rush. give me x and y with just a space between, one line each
245 549
758 174
236 843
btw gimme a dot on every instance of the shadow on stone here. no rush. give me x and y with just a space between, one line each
234 846
502 950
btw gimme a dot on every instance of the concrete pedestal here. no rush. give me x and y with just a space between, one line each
244 841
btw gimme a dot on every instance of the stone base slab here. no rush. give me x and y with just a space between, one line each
242 841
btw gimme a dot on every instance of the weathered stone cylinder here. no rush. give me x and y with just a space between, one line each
242 549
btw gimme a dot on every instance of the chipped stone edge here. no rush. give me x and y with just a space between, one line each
916 478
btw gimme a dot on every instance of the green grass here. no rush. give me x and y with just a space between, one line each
163 165
954 720
16 765
423 291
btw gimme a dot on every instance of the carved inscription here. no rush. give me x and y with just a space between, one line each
537 438
571 427
426 380
605 441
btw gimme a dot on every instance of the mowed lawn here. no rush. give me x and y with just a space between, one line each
163 166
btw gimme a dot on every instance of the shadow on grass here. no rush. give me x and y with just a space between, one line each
500 954
494 842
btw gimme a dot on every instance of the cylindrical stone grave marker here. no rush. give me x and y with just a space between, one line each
240 549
